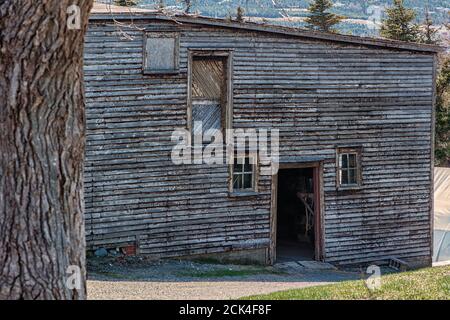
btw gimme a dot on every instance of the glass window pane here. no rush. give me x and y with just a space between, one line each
243 174
344 161
237 168
352 176
352 160
247 181
237 181
344 177
248 167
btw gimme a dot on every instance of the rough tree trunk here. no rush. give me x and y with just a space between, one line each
42 139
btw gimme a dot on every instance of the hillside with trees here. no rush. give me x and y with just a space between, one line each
359 14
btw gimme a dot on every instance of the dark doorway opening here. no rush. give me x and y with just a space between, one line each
296 215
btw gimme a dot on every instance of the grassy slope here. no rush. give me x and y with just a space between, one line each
431 283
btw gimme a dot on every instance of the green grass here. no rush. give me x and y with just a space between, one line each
424 284
220 273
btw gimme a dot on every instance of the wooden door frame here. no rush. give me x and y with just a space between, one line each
319 209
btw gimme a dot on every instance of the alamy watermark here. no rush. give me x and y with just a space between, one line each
74 278
373 282
210 147
73 17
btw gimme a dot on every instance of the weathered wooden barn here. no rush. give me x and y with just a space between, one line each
355 120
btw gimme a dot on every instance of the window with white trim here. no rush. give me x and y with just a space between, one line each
244 174
349 167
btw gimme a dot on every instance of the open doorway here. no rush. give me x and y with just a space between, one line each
297 215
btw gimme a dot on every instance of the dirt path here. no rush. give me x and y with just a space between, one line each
139 280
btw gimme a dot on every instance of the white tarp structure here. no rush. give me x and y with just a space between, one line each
441 251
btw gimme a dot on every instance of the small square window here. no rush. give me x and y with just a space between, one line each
161 53
244 174
348 173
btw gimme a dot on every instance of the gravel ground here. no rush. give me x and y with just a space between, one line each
137 279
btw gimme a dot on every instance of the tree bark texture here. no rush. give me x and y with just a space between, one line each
42 141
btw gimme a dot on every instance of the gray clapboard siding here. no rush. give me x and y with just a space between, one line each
319 94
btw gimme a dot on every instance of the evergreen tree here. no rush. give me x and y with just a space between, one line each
320 18
429 33
125 3
240 14
399 24
443 114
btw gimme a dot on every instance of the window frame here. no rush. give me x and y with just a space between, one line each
357 151
155 35
245 192
227 102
